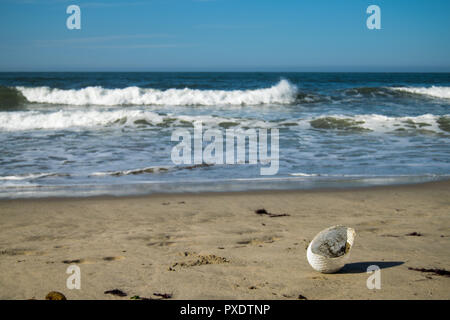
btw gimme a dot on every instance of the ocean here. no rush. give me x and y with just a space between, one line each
84 134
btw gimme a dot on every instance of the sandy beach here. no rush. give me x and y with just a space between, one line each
214 246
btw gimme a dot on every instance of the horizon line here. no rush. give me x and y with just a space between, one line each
225 71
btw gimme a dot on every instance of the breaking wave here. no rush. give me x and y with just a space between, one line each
149 170
369 92
94 119
434 91
425 124
64 119
10 99
282 93
33 176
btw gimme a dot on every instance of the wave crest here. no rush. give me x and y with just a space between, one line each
10 99
434 91
282 93
424 124
149 170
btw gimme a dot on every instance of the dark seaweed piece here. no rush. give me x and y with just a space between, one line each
140 298
416 234
116 292
271 215
439 272
72 261
163 295
302 297
261 211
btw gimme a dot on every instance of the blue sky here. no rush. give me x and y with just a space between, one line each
225 35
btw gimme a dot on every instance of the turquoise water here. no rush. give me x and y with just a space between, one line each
110 133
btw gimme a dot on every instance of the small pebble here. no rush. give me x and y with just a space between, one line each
54 295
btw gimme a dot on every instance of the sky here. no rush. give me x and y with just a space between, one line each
225 35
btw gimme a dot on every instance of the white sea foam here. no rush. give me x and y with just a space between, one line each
64 119
382 123
282 93
147 170
71 118
99 118
132 171
434 91
301 174
30 176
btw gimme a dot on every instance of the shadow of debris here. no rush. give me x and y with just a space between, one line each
361 267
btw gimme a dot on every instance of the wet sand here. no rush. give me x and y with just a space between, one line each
214 245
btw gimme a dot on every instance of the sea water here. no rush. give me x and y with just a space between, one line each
78 134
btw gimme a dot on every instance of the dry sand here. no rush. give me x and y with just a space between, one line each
214 246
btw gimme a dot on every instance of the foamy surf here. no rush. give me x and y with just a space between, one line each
148 170
131 171
32 176
302 174
282 93
426 123
433 91
65 119
95 119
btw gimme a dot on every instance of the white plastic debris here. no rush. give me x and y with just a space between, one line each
330 249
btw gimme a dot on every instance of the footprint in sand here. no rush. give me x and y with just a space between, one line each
198 260
14 252
161 244
161 240
258 241
21 252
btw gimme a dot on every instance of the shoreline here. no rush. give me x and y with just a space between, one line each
214 245
346 184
